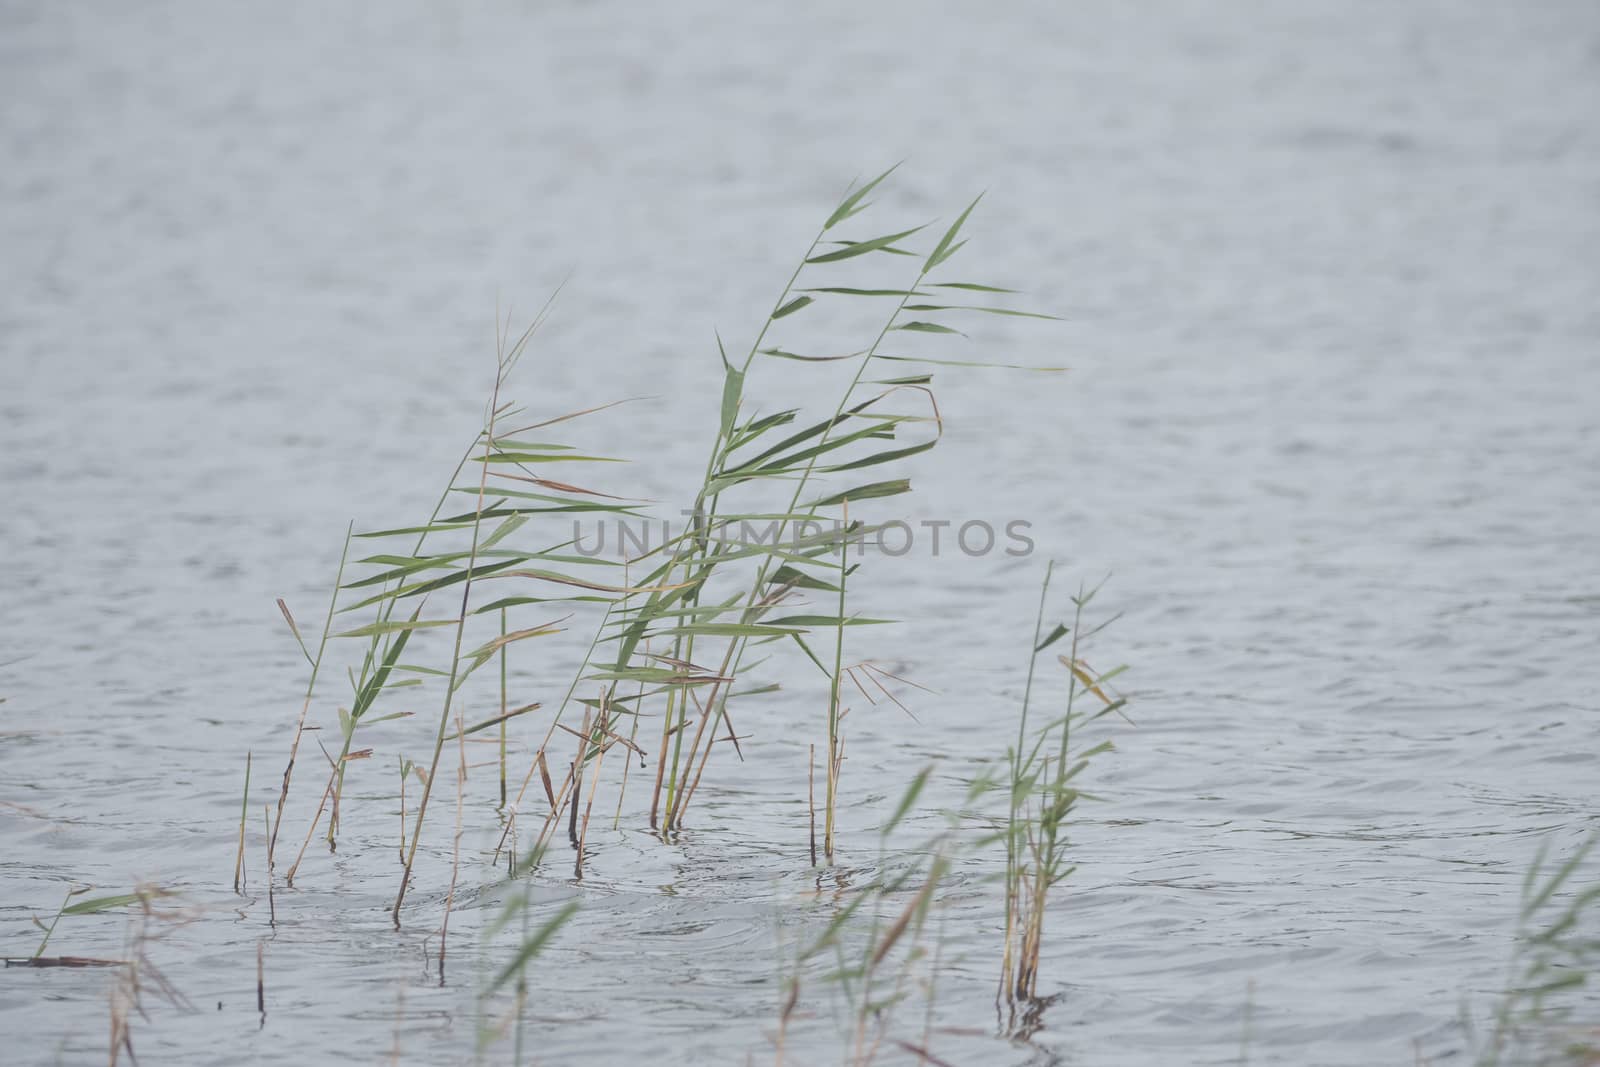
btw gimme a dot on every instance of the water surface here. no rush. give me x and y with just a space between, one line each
1328 273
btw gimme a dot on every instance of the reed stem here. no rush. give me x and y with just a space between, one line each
244 811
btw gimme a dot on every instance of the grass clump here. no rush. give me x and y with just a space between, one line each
1044 765
687 623
1556 954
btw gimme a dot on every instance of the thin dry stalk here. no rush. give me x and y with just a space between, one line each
544 776
503 362
455 859
272 904
594 785
244 811
503 707
633 737
676 806
575 773
311 685
661 759
539 763
403 774
837 743
552 818
139 975
811 800
311 831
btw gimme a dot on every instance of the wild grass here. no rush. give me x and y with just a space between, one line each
139 980
1044 766
685 626
92 906
883 957
675 610
305 706
683 640
135 977
1556 955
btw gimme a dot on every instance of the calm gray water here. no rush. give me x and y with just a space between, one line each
1329 275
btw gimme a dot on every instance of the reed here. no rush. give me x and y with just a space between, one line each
272 902
455 846
311 687
711 590
504 705
92 906
503 368
685 638
1541 1016
139 979
386 639
835 712
244 812
1044 765
879 946
513 974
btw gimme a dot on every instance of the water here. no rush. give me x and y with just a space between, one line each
1328 272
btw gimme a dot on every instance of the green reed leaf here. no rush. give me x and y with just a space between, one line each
853 203
792 306
867 492
851 249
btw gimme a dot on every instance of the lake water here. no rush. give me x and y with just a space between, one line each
1328 275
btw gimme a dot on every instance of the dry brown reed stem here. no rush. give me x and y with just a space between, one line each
633 735
661 760
705 756
622 787
455 859
403 774
455 661
837 743
503 707
139 974
272 904
311 831
552 818
594 784
244 810
599 726
680 800
539 764
559 801
544 775
288 772
721 678
305 707
504 360
811 799
576 773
